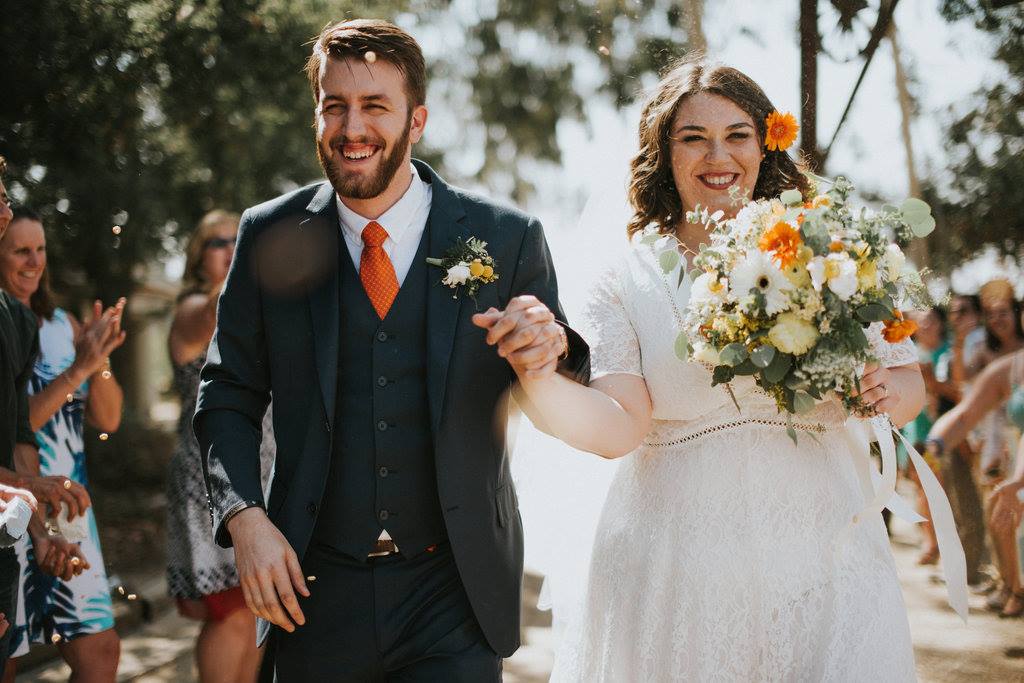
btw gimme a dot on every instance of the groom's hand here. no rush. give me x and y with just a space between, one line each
526 334
268 569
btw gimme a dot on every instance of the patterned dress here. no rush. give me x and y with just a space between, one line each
50 606
196 565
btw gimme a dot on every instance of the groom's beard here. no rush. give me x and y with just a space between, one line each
355 185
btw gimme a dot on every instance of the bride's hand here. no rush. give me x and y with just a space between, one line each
526 334
877 390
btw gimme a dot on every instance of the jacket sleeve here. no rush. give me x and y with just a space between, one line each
535 274
234 391
30 342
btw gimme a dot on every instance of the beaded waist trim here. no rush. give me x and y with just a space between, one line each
814 427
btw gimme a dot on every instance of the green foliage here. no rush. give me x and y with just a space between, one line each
983 204
148 113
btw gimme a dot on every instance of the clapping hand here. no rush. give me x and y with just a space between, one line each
98 338
527 335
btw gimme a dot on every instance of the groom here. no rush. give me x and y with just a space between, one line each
390 547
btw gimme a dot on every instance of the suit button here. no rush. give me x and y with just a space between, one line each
311 509
383 515
382 381
382 336
383 471
382 426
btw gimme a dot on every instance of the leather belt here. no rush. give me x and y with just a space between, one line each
384 548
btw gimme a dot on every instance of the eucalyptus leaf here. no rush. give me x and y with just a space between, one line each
733 354
668 260
790 197
650 239
873 313
924 227
762 355
777 369
791 433
793 382
914 210
682 347
803 403
745 369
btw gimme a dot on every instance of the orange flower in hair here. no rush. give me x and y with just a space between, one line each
782 129
898 329
784 241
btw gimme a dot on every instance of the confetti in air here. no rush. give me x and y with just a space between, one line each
55 638
120 589
116 230
132 596
604 50
370 56
311 579
104 436
106 374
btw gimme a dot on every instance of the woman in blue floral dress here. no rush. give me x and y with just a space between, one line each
72 382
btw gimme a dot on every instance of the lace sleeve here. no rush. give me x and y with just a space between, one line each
614 347
890 355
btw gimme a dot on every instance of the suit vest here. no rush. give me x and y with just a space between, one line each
382 473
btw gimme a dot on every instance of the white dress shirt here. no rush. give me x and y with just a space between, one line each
404 222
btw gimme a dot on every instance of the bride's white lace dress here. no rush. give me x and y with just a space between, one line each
718 557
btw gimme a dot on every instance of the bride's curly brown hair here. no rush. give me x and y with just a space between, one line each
652 190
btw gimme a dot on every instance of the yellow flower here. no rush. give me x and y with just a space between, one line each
820 201
797 274
476 269
488 272
867 274
781 131
804 255
793 335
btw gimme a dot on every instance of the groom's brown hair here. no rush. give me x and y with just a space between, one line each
357 39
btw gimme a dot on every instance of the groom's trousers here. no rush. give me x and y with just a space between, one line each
384 619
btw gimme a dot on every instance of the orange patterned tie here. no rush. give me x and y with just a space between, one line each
376 271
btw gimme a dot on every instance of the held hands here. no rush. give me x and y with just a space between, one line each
877 390
268 569
527 335
98 338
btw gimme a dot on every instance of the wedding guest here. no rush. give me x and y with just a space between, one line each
71 383
968 337
19 344
932 346
201 575
1001 383
1003 335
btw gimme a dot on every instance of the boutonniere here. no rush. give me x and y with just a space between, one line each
468 265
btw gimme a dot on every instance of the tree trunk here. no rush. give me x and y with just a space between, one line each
810 46
693 15
918 250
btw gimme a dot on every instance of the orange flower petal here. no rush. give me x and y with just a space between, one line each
781 131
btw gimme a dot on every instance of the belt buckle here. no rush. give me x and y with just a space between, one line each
384 548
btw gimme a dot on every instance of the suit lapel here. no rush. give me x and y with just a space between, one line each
446 226
324 298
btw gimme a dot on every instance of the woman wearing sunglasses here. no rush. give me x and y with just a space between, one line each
201 575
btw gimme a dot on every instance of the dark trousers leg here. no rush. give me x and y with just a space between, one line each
392 619
9 573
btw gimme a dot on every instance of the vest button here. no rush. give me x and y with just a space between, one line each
311 509
382 336
383 471
382 426
383 515
382 381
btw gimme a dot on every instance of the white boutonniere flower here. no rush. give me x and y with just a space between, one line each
467 265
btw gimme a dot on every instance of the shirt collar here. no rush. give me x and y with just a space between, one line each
395 221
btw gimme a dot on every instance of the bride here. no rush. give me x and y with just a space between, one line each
724 551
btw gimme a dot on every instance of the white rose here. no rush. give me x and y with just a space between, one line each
894 260
836 270
705 353
457 275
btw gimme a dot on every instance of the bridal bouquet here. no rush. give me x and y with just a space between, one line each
784 291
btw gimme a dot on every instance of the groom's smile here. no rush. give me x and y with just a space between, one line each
366 127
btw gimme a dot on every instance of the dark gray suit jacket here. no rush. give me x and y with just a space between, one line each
277 333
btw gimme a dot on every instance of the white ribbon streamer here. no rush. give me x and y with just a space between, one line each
880 491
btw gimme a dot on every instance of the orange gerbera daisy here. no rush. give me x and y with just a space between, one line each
783 239
898 329
781 132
